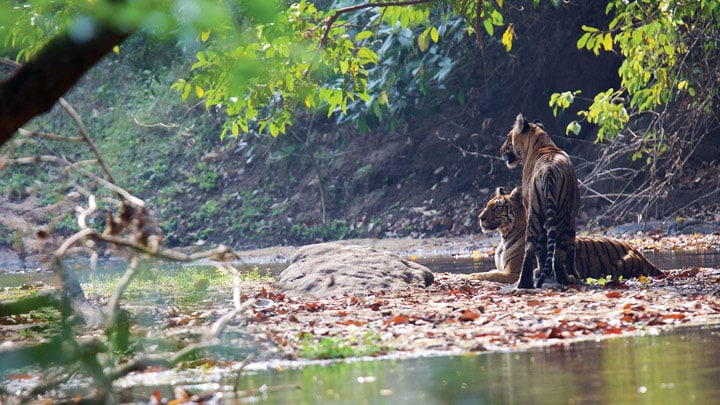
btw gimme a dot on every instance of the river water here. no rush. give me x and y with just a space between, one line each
681 366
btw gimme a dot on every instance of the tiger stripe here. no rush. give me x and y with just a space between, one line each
551 197
595 257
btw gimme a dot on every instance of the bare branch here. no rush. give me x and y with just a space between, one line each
83 133
52 137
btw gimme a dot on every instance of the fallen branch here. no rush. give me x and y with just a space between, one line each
29 303
55 350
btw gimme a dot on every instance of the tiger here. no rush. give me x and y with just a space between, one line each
552 199
595 257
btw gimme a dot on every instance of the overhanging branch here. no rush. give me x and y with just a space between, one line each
35 87
331 20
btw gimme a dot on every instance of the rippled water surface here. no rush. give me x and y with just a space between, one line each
678 367
682 366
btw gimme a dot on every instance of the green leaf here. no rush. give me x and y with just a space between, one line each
363 35
186 91
423 40
366 56
488 27
434 34
274 129
589 29
383 98
573 127
590 44
583 40
608 42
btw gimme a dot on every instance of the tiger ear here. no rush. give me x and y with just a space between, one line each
521 124
516 194
500 191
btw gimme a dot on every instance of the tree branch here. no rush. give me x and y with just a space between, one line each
36 86
331 20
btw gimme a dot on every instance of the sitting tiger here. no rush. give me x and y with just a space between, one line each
551 197
595 257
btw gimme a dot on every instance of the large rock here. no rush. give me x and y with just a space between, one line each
331 269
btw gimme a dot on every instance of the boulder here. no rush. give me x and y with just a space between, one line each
331 269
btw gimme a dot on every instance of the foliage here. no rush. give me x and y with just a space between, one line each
665 105
11 238
368 344
261 63
185 285
333 230
309 57
669 52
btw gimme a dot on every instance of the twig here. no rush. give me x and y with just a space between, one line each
160 360
219 325
331 20
52 137
123 283
83 133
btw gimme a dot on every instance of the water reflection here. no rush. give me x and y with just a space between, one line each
681 366
666 260
682 259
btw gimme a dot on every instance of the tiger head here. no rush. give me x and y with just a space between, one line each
502 212
519 140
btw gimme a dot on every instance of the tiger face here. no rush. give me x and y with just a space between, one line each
518 142
500 212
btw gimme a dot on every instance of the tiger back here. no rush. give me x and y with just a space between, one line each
552 199
595 257
599 257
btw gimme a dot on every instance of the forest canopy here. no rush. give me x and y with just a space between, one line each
261 62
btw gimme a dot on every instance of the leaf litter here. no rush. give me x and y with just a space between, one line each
455 315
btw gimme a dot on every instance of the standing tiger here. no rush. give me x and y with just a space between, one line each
551 197
595 257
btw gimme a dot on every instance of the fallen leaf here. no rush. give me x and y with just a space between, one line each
689 272
314 306
613 294
348 322
629 318
614 330
469 315
398 320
